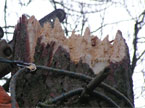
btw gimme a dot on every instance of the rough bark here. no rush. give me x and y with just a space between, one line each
42 86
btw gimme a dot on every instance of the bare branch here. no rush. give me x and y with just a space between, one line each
141 55
137 27
107 24
54 4
10 26
5 18
25 4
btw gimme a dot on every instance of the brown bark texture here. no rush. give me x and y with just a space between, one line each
43 86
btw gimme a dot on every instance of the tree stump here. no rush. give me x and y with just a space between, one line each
86 54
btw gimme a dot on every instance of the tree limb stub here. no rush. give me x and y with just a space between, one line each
96 81
85 54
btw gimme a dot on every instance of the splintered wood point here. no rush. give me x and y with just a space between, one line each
87 48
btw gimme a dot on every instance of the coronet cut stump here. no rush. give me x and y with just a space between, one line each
85 54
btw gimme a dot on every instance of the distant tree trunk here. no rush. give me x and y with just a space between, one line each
31 44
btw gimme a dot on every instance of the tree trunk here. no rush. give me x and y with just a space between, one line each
86 54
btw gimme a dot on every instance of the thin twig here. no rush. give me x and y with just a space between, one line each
54 4
5 18
141 54
137 27
24 4
107 24
76 11
10 26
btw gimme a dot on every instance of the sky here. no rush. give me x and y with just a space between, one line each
40 8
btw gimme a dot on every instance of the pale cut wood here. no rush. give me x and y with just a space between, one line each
91 50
